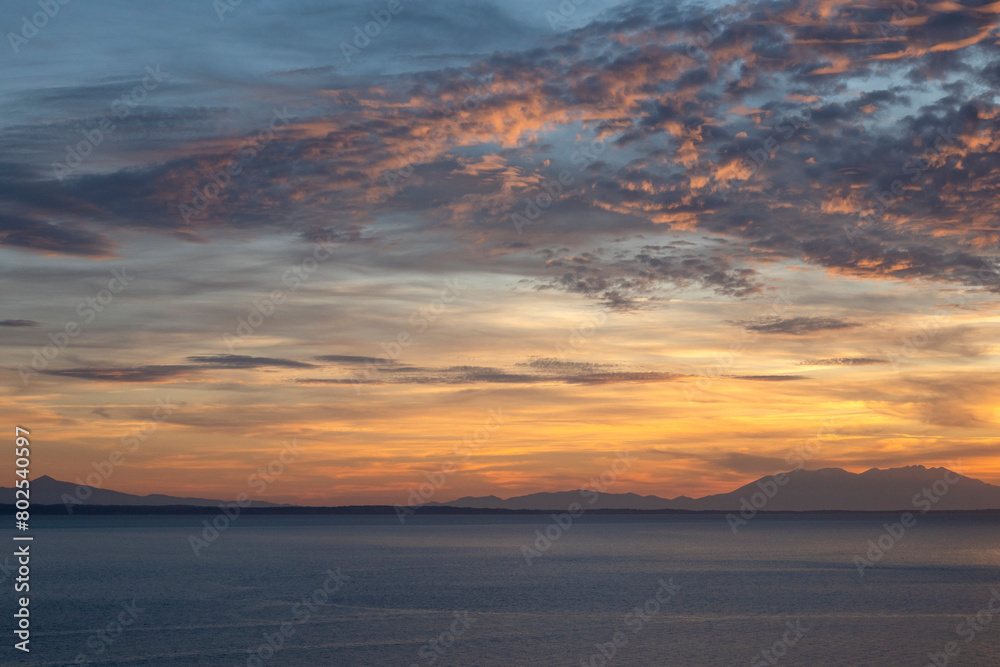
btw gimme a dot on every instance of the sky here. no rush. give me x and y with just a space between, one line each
488 247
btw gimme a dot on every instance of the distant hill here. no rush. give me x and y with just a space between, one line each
48 491
803 490
827 489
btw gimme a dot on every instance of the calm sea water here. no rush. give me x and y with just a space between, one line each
787 585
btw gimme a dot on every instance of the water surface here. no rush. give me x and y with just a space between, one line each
735 594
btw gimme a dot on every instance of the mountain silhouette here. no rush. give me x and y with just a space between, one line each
827 489
912 487
48 491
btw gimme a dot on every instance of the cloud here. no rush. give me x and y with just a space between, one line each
350 359
243 361
797 326
770 378
547 371
137 374
167 372
46 237
730 140
621 283
552 364
19 323
616 378
844 361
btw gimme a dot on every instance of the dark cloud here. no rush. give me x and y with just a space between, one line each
243 361
42 236
552 364
162 373
753 137
797 326
621 282
552 371
477 374
19 323
615 378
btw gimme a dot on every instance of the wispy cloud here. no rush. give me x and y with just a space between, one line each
243 361
844 361
798 326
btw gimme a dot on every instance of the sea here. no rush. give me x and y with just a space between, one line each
508 590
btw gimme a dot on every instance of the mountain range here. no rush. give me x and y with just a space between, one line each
826 489
48 491
799 490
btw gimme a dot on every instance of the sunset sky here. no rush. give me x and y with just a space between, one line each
702 235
